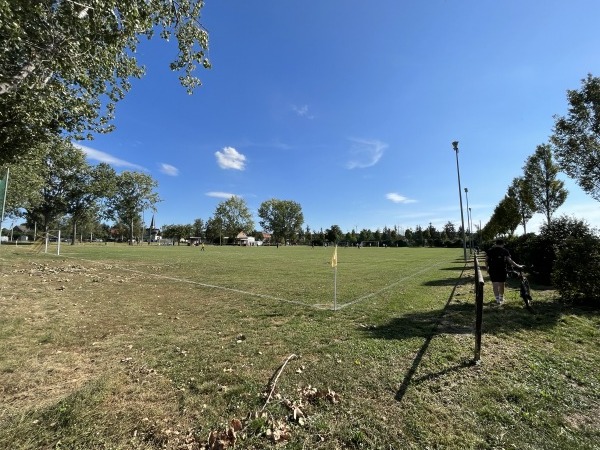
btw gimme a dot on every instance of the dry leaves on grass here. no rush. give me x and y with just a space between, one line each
274 429
258 424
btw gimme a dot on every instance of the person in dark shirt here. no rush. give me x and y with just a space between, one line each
496 259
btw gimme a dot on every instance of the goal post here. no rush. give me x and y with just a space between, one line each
45 241
369 244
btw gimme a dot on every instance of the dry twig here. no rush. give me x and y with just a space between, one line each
276 378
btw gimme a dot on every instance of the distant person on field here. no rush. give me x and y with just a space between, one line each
495 260
202 247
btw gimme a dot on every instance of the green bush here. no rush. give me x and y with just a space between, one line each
576 273
536 253
539 253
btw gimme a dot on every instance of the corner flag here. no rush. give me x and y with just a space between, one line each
334 258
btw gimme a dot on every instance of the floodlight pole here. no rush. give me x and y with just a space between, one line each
469 221
471 226
462 218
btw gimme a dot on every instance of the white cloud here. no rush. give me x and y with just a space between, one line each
225 195
302 111
230 158
365 153
168 169
97 155
397 198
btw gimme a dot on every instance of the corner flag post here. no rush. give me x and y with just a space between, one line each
334 265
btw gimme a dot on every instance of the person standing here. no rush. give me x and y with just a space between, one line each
496 259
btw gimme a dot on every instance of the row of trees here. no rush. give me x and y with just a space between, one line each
566 251
283 221
62 190
573 148
62 184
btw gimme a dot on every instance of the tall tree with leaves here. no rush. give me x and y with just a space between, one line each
177 232
506 216
334 234
576 137
282 218
198 228
548 192
234 216
49 185
450 230
134 193
64 64
520 191
88 186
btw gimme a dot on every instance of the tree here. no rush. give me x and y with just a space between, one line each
134 193
576 137
334 234
520 191
88 185
506 217
308 235
234 216
450 230
198 228
177 232
282 218
547 191
214 230
64 64
50 186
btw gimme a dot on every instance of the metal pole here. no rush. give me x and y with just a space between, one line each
469 221
471 229
462 218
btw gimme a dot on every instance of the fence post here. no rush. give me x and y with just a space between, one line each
478 309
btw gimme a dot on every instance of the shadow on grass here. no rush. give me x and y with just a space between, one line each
445 281
459 319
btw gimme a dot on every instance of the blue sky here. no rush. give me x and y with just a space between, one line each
350 107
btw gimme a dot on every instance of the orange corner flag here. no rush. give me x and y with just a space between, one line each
334 258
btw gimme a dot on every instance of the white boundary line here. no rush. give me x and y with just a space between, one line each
389 286
269 297
197 283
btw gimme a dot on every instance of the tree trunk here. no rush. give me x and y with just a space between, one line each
17 79
73 232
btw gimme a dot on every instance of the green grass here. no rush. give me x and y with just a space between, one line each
110 346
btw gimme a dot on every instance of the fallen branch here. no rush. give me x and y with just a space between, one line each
292 356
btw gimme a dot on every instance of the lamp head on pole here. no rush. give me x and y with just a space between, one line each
455 146
466 190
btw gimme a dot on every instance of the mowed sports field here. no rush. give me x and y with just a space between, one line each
115 346
300 275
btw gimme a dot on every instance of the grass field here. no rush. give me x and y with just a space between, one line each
145 347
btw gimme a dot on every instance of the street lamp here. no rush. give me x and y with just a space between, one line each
470 231
462 218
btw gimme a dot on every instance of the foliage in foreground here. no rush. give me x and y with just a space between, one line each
576 273
564 254
65 64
